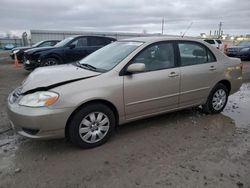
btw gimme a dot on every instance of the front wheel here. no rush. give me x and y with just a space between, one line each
91 126
49 62
217 99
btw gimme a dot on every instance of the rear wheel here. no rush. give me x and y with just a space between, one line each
217 99
49 62
91 126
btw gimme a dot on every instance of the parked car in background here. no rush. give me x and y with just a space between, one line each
68 50
125 81
19 51
242 50
8 47
217 43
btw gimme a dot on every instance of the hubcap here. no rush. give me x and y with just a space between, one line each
219 99
94 127
50 62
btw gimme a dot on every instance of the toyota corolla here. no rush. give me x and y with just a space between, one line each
125 81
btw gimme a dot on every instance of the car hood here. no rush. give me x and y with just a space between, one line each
39 49
22 48
46 78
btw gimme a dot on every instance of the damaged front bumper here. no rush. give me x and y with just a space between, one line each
38 123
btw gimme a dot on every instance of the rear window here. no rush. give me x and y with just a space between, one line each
209 41
219 41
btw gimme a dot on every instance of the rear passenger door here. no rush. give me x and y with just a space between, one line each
198 69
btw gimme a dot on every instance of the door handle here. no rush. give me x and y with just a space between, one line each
173 74
212 68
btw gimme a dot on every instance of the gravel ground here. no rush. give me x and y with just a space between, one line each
180 149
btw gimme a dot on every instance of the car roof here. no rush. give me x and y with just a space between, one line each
160 38
76 36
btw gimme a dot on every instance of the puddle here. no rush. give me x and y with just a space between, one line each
238 107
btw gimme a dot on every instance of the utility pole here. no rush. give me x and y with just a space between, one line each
162 26
220 26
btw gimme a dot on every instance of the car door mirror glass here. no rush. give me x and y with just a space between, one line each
136 68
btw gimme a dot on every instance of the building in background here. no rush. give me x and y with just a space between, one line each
39 35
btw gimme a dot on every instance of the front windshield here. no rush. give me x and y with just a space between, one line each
109 56
63 42
37 44
244 43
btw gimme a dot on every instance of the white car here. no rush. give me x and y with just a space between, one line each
217 43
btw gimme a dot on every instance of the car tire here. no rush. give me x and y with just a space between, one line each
91 126
216 100
49 62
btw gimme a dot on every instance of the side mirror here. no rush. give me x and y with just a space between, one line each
136 68
71 46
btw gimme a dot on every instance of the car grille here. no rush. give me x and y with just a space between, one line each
16 94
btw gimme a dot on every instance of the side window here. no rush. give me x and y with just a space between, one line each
45 44
193 54
81 42
156 57
108 41
97 41
210 56
53 43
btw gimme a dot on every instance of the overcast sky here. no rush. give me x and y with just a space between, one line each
126 15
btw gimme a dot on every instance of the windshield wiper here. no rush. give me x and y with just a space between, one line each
89 67
84 65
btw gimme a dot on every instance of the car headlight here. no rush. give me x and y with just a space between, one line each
15 51
244 49
39 99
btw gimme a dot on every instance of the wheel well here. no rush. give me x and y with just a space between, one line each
107 103
53 56
227 84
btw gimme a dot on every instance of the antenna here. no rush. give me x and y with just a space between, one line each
187 29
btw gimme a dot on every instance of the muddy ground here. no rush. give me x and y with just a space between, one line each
180 149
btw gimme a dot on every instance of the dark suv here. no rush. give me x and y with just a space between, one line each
242 50
19 51
68 50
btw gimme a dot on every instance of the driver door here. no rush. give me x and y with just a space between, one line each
157 89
